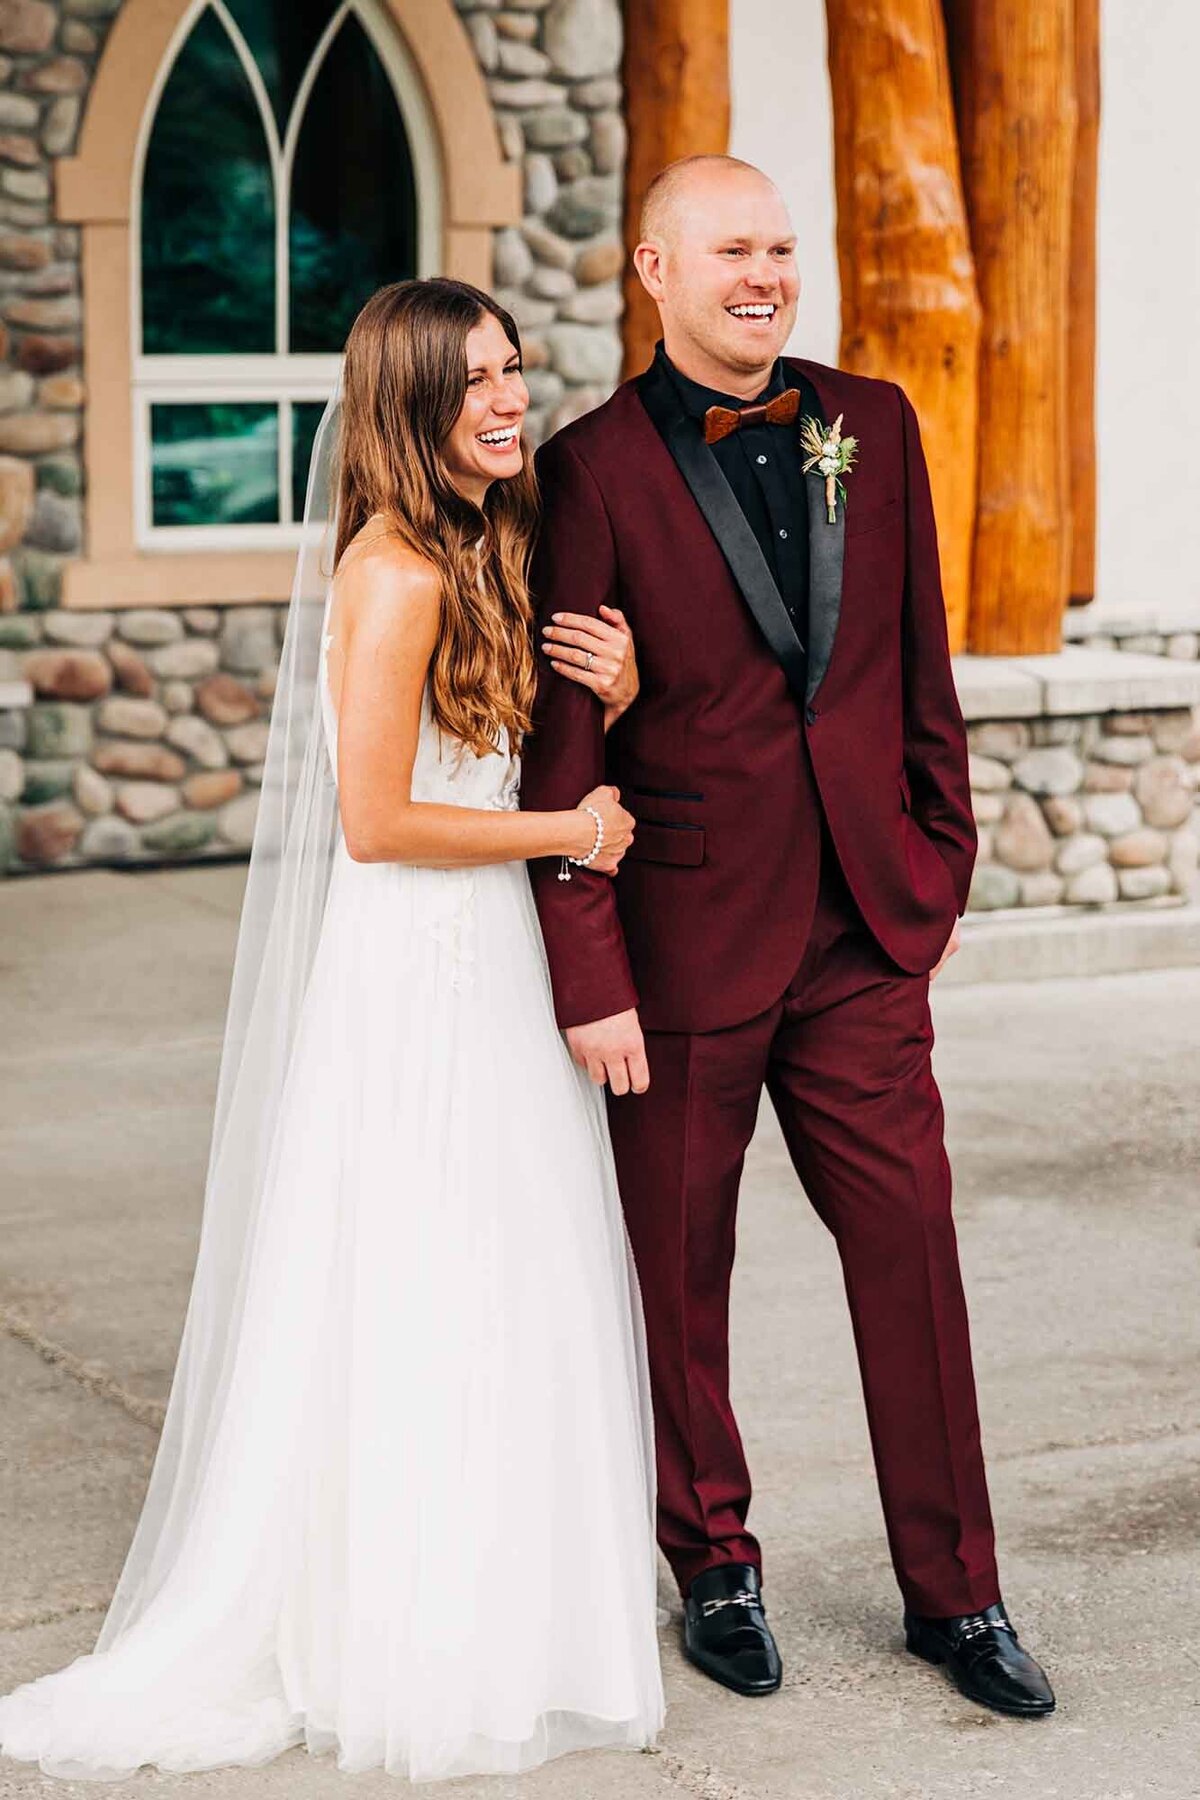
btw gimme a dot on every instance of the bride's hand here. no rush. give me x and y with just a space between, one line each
571 638
618 827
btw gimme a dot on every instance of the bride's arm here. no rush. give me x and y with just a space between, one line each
385 619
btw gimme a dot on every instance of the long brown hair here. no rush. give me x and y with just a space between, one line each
404 383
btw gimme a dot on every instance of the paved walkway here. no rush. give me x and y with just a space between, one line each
1074 1120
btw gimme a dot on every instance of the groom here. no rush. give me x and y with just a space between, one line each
797 765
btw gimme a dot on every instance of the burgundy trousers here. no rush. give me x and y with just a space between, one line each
845 1057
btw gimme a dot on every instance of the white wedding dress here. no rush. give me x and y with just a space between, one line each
425 1536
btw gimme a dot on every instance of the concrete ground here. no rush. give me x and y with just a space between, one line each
1073 1123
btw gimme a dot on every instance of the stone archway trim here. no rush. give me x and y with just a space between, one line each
480 187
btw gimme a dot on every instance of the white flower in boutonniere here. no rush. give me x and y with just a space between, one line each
831 454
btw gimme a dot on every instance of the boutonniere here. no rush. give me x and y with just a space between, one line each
832 454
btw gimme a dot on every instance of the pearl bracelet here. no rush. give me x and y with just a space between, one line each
585 862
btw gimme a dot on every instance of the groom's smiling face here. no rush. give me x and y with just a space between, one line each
719 258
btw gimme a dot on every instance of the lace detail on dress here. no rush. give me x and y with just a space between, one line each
467 779
456 929
509 797
446 772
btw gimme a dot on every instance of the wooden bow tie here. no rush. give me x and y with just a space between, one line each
720 421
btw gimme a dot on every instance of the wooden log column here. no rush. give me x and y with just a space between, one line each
676 75
1081 340
1013 63
910 310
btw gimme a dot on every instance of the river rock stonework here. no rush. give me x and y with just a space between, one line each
144 742
1170 630
553 72
145 735
1085 811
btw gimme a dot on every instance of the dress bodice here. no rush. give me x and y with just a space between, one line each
446 772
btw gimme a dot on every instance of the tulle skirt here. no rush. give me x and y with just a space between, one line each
424 1540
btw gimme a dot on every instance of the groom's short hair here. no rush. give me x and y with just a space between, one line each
660 197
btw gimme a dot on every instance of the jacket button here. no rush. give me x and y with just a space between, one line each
810 715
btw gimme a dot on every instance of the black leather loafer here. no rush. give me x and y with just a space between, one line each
725 1630
983 1654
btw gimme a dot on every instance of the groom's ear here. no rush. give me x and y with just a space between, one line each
647 260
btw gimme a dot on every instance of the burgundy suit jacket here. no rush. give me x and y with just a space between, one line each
736 743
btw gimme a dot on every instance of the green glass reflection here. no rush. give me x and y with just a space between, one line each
208 209
354 208
306 416
282 35
215 464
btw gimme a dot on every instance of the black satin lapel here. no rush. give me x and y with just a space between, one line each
826 548
727 522
826 558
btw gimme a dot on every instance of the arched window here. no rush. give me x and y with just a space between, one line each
282 193
283 179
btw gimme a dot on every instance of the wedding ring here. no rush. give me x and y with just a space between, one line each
591 657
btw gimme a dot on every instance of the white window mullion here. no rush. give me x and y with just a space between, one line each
282 261
281 173
285 462
227 377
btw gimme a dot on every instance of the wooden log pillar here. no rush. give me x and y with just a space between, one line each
910 310
1081 338
676 76
1013 63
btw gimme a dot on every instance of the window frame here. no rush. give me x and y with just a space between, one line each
98 189
280 375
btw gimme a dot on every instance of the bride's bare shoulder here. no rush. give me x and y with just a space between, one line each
383 584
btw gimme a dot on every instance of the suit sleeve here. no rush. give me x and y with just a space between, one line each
935 738
574 569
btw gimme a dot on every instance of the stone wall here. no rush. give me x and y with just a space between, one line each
1085 776
145 738
145 735
1085 811
1146 630
553 74
47 56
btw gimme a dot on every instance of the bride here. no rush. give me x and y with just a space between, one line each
402 1509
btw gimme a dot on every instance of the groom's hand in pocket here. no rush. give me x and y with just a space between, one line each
613 1051
952 947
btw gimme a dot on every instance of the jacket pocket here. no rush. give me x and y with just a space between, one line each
681 845
649 793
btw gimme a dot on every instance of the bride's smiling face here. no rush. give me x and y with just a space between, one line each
485 442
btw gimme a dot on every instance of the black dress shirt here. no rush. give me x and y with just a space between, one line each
763 466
